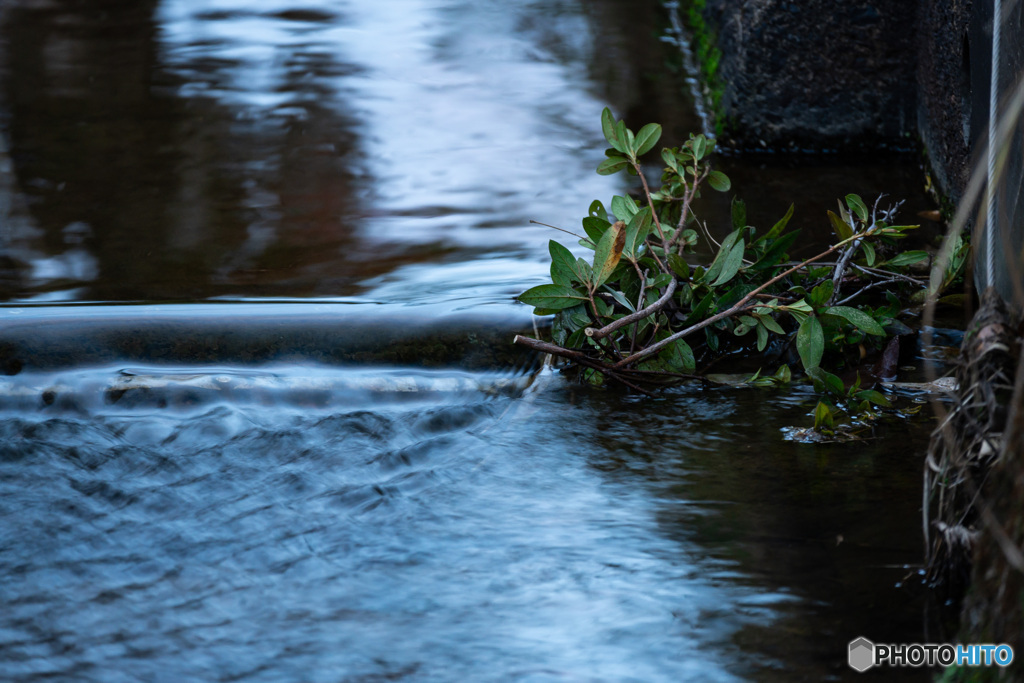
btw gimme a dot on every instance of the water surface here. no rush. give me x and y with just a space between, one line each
260 419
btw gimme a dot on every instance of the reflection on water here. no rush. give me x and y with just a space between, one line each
393 151
260 149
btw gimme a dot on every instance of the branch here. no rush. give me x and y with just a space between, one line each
688 196
737 307
650 203
837 276
860 291
546 347
889 273
633 317
579 357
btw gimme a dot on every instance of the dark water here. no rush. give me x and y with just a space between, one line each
306 451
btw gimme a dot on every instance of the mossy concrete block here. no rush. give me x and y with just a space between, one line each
816 73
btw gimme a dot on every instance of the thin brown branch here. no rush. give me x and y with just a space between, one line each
688 196
579 357
860 291
739 306
547 347
634 317
650 203
889 273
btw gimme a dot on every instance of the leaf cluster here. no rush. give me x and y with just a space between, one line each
632 311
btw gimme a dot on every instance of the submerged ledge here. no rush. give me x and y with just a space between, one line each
53 337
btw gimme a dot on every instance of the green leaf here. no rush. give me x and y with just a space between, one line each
819 296
700 309
660 280
731 264
723 252
800 306
636 232
620 298
731 297
563 264
577 339
595 227
776 253
712 338
843 231
823 418
907 258
810 342
739 213
576 318
679 356
609 130
869 253
827 382
647 138
553 297
608 252
779 226
584 273
597 211
771 324
857 206
679 265
857 318
783 375
762 338
719 181
875 397
699 145
612 165
625 136
670 159
624 208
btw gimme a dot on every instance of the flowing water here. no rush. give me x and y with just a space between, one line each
261 419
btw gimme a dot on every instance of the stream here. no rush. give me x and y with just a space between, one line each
260 414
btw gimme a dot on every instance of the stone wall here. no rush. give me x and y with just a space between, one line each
876 74
944 86
816 74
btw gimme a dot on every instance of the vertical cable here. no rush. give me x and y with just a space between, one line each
990 195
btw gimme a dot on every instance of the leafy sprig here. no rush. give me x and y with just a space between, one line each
630 312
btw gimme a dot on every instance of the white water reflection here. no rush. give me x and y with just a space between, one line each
469 119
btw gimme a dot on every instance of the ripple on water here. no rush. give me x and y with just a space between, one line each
442 539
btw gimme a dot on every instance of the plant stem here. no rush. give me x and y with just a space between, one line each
650 203
579 357
633 317
734 309
860 291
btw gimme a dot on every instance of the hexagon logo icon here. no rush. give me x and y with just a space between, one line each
862 654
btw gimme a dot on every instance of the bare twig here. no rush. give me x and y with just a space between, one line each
547 347
568 232
887 273
639 302
688 195
735 308
837 276
864 289
634 317
650 203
